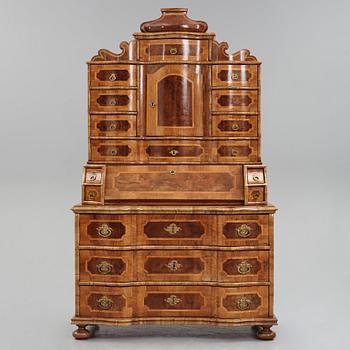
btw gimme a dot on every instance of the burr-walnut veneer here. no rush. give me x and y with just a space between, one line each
174 225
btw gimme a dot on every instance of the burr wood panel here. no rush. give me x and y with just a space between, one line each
109 101
113 75
112 125
113 150
235 75
235 101
235 125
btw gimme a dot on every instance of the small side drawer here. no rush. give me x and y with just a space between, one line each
235 101
112 75
175 265
237 151
112 125
112 100
95 301
106 230
243 230
174 301
243 302
242 126
105 266
113 151
235 75
174 49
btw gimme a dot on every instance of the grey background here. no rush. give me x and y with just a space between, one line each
304 46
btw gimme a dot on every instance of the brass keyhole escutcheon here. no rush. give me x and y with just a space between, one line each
244 231
104 267
113 102
173 51
105 303
113 77
114 151
243 303
113 126
234 152
172 300
235 127
234 76
255 195
244 267
104 231
173 265
172 172
92 194
174 152
172 229
153 104
93 177
256 178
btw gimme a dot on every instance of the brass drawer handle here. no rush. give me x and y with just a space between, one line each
235 127
92 194
172 300
255 195
113 126
234 152
113 102
243 303
173 51
173 265
172 229
114 151
234 76
172 172
153 104
113 77
174 152
244 267
105 303
104 267
104 231
244 231
93 177
256 178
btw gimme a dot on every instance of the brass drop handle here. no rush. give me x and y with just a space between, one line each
114 151
153 104
235 127
172 229
172 300
173 51
234 152
105 303
104 267
104 231
244 231
243 303
113 77
244 267
173 265
174 152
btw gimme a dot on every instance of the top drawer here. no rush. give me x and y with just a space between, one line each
235 75
174 49
112 75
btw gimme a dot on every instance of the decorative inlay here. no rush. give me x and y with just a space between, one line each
234 100
113 125
234 75
119 151
174 151
113 100
234 125
113 75
232 151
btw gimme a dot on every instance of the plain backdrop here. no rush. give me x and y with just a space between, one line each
304 47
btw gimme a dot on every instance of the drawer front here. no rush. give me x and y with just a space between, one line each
235 75
243 230
235 101
112 75
174 265
243 302
237 151
174 49
112 100
174 182
105 266
173 151
242 126
176 229
113 151
105 302
170 301
106 230
112 125
243 266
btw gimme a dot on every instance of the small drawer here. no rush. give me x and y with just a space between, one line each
174 49
174 151
243 230
105 302
106 230
242 126
112 125
256 175
175 265
174 301
256 195
243 266
237 151
113 151
92 194
243 302
235 101
94 175
112 100
112 75
235 75
176 229
105 266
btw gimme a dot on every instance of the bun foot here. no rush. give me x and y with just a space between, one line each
265 333
82 333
